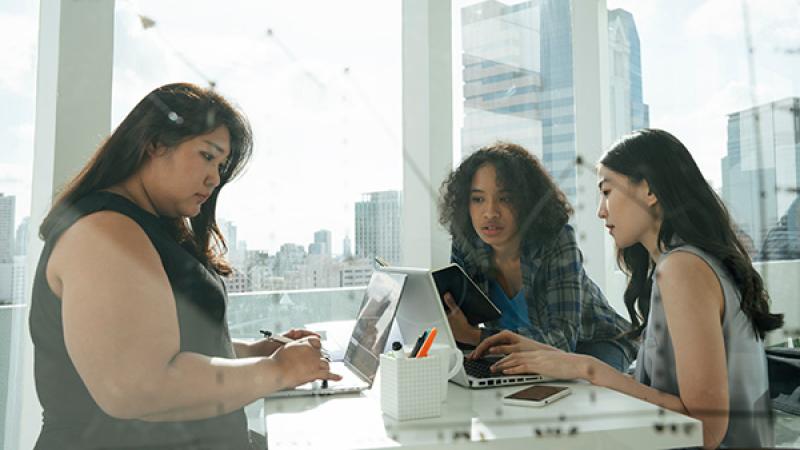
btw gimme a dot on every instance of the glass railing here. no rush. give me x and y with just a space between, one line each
329 312
12 319
281 310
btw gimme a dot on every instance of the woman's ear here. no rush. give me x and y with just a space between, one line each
650 198
154 150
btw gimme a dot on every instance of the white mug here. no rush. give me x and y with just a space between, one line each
452 360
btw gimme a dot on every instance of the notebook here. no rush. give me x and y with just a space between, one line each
367 342
420 309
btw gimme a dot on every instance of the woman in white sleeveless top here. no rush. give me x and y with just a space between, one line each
693 295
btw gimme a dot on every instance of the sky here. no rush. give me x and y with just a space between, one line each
694 66
323 91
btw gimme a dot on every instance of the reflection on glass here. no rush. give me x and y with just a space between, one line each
374 321
517 70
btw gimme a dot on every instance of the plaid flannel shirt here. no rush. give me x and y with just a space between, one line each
564 305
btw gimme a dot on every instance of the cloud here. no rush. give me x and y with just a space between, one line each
703 128
13 177
645 10
316 129
770 21
18 49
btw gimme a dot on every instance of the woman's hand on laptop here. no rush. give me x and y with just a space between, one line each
507 342
299 333
301 361
559 365
268 346
462 330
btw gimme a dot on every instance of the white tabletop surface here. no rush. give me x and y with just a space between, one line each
591 417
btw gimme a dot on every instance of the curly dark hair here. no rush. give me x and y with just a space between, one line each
540 208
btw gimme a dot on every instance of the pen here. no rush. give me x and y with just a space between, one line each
273 337
381 262
418 344
423 352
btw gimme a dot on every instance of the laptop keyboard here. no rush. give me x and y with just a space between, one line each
479 368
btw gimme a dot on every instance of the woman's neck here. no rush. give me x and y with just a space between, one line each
506 254
134 190
650 242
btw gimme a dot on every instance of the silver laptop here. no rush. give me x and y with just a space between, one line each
421 308
367 342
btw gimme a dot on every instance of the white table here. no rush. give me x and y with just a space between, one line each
591 418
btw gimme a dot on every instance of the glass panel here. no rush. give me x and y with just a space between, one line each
321 197
324 103
515 68
18 40
738 113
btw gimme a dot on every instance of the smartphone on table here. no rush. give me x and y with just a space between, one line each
538 395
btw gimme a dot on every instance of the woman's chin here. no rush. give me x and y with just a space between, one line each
494 241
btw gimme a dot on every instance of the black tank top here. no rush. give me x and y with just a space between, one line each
71 418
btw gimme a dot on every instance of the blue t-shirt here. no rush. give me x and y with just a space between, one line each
514 310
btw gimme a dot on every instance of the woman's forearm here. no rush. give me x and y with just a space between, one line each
195 386
601 374
242 349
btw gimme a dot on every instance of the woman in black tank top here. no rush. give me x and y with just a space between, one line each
131 342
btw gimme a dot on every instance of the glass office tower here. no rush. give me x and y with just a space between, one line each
378 226
518 80
761 172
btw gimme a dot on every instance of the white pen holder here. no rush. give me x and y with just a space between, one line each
411 388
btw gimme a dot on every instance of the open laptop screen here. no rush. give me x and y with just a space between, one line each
374 321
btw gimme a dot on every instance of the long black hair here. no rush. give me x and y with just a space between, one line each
168 116
693 212
540 208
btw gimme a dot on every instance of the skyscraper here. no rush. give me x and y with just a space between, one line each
228 230
21 239
288 259
518 80
378 226
761 172
237 250
502 76
347 248
321 244
628 110
7 204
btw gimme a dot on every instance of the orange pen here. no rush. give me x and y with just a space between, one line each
423 351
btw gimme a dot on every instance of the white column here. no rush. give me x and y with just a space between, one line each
590 75
427 128
73 114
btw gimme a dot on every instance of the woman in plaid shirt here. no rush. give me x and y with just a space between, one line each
508 220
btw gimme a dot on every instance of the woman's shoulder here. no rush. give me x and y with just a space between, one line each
687 265
108 222
683 258
680 260
107 231
106 243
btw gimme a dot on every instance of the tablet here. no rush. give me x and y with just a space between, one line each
468 296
